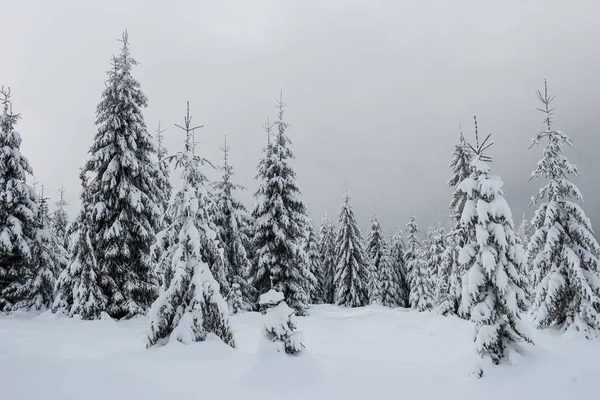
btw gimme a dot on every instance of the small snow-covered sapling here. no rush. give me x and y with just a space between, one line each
280 323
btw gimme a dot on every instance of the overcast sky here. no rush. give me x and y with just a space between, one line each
375 90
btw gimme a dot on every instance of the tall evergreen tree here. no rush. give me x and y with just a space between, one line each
492 259
444 301
352 262
123 192
421 296
280 262
48 260
163 195
459 165
18 210
434 254
191 305
317 277
563 252
78 290
232 221
412 248
60 220
377 252
398 288
327 248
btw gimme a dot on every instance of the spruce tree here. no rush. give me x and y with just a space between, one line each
376 250
60 220
327 248
563 252
280 262
317 277
231 222
398 288
191 305
123 191
444 301
352 262
434 255
48 260
78 291
492 259
412 249
459 165
524 231
421 296
163 174
18 210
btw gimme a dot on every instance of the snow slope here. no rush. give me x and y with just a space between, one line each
364 353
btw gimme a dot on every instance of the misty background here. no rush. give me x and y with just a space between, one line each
376 90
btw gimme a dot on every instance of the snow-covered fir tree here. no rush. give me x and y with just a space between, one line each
445 304
78 291
60 220
317 277
232 221
280 262
412 248
327 248
352 261
524 231
492 258
48 259
449 302
163 173
434 253
421 296
395 292
191 305
280 323
376 250
122 189
563 252
18 210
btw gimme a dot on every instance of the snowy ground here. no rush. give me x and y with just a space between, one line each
364 353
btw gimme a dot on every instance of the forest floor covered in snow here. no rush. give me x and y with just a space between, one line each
363 353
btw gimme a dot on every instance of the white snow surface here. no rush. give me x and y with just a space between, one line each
362 353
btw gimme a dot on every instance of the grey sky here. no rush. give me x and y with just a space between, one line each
376 90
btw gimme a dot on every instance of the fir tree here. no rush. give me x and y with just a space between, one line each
316 278
459 165
231 222
376 250
280 323
412 248
280 262
78 290
421 296
524 231
444 302
18 210
434 255
191 305
163 174
60 220
397 290
492 259
352 262
49 258
327 248
123 192
563 252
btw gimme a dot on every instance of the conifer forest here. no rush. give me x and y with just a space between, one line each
170 277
